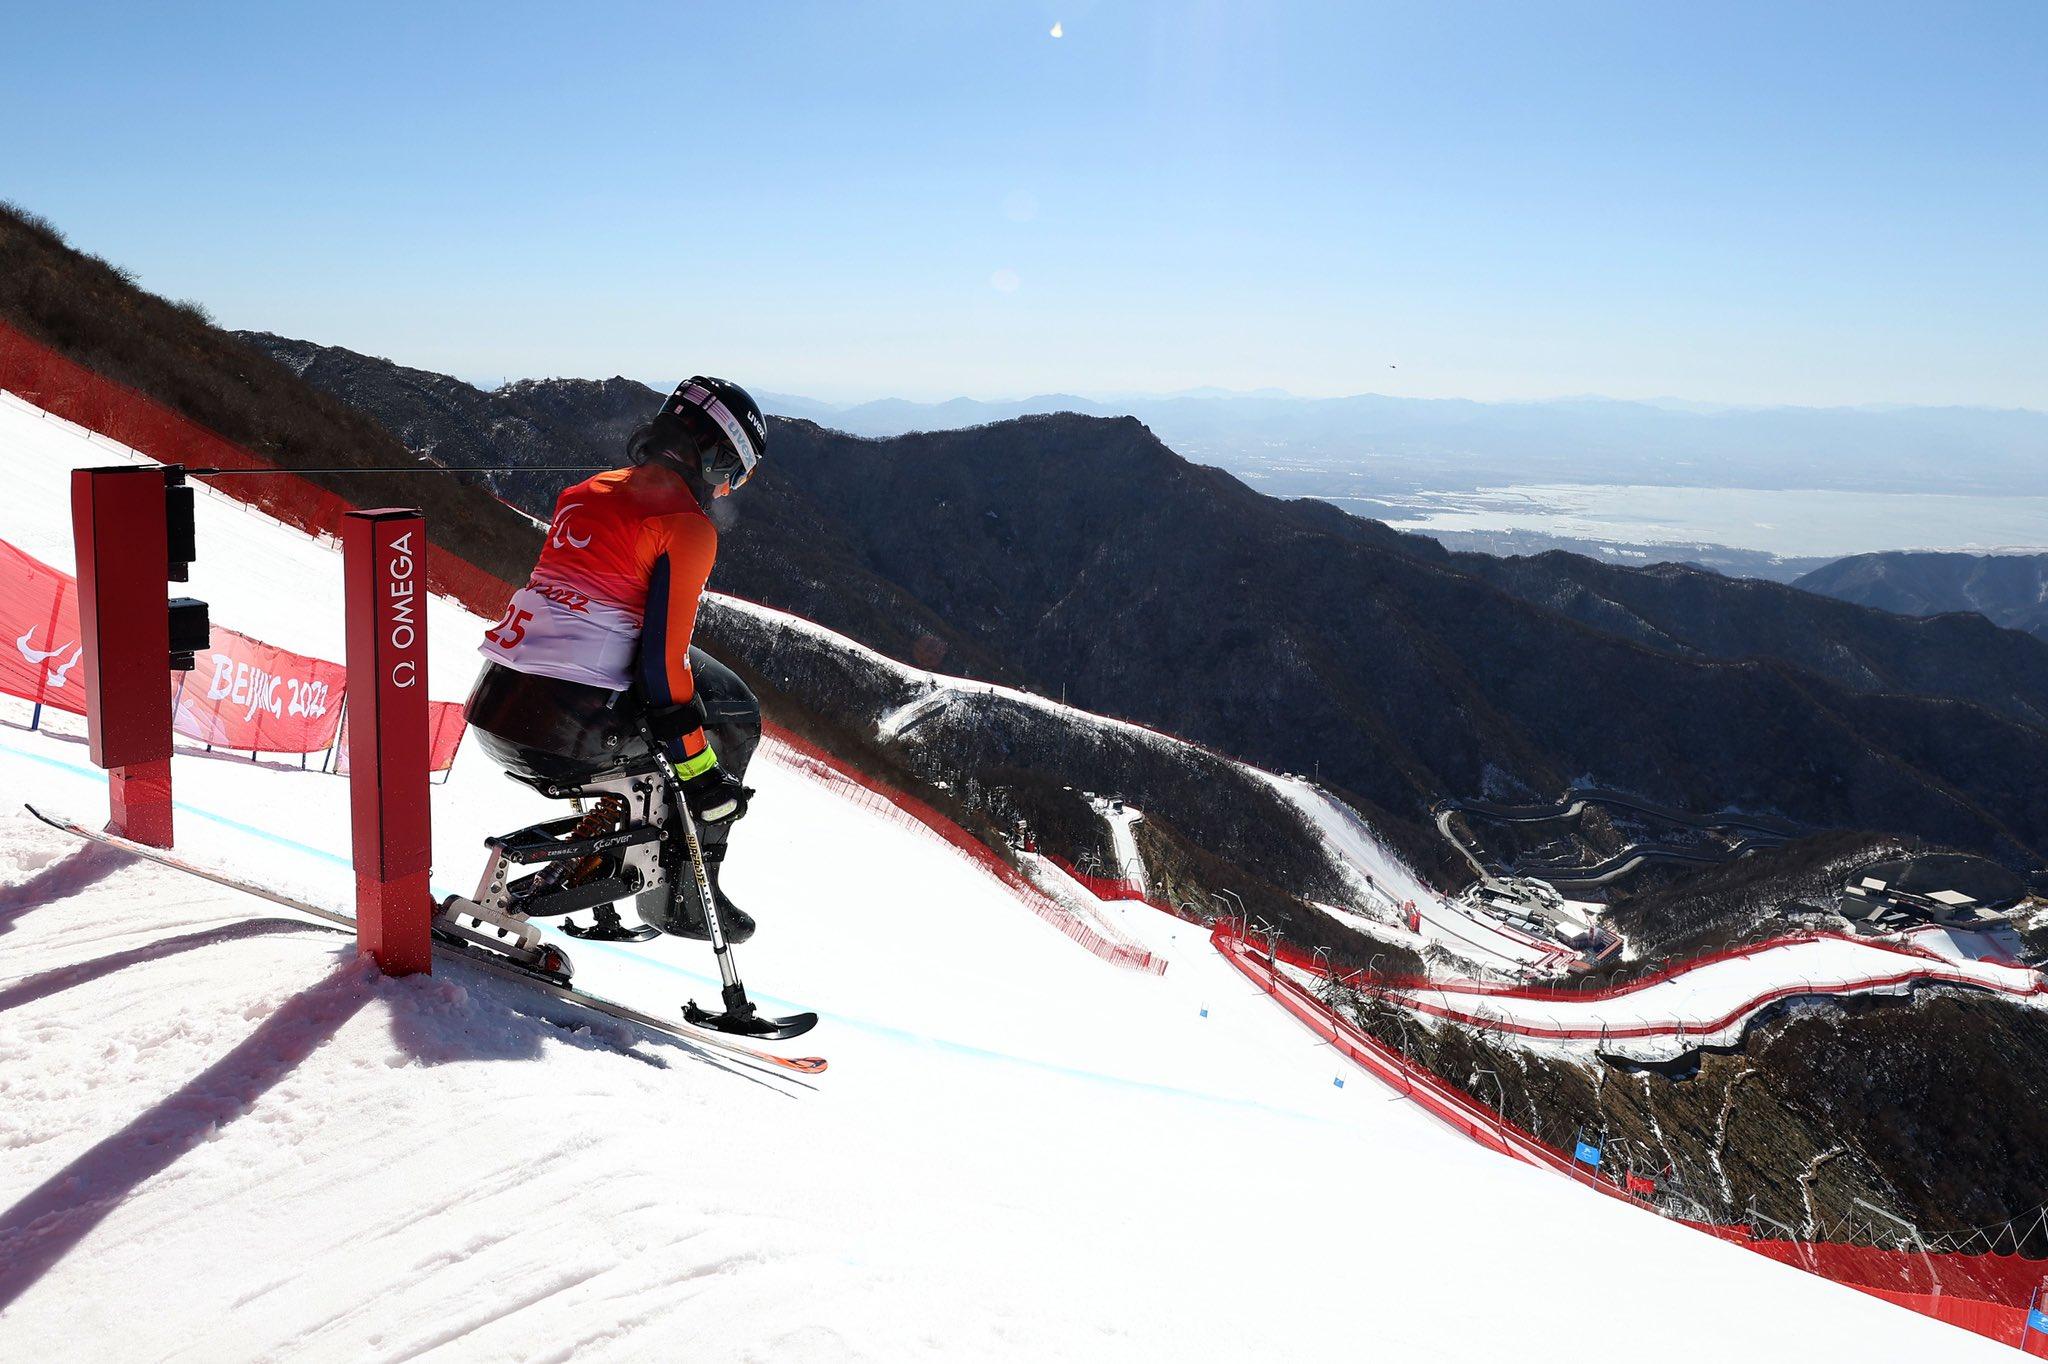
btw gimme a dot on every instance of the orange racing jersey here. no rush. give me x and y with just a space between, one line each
613 600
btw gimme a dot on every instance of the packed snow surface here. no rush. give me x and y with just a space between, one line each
1123 844
226 1139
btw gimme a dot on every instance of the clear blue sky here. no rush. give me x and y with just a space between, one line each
1779 202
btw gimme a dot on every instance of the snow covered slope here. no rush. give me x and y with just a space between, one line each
1712 1003
226 1141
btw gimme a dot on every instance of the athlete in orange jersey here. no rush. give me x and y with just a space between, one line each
613 601
598 641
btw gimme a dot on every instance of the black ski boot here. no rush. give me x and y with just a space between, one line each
686 918
607 926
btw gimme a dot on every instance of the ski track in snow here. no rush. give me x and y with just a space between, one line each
227 1139
1124 843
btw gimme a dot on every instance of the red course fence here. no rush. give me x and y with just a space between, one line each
64 388
445 728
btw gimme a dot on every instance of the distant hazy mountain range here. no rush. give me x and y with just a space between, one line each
2010 589
1371 443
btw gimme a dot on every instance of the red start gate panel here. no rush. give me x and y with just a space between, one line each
118 525
384 560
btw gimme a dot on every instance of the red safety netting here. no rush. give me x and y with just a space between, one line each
39 622
64 388
1101 887
445 728
246 694
2006 1279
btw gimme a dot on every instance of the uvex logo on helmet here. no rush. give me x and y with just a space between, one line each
732 433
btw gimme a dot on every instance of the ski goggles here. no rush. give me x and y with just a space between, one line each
735 464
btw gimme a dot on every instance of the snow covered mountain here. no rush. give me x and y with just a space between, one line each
226 1140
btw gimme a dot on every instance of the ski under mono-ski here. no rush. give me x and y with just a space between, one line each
449 946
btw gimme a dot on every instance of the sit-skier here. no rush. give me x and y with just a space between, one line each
596 646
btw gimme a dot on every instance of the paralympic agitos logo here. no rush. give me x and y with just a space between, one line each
40 658
561 536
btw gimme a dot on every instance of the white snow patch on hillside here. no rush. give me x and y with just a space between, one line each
1376 873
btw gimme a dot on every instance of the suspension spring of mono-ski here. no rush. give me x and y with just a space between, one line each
607 813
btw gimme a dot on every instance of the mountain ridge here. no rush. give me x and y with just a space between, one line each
1296 635
2007 589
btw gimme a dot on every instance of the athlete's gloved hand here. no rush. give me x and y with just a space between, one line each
715 797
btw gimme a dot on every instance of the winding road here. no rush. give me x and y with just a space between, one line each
1764 831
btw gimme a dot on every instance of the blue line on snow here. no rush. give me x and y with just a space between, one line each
235 824
888 1030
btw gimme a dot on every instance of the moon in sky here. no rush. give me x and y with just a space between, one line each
1057 30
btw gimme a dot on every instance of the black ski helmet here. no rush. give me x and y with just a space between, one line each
708 427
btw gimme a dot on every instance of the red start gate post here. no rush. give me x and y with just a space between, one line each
384 562
132 528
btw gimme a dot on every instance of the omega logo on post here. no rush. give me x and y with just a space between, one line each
402 592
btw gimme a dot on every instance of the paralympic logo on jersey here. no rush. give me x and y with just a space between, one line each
561 536
39 658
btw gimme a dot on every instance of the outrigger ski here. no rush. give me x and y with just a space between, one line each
493 958
741 1017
